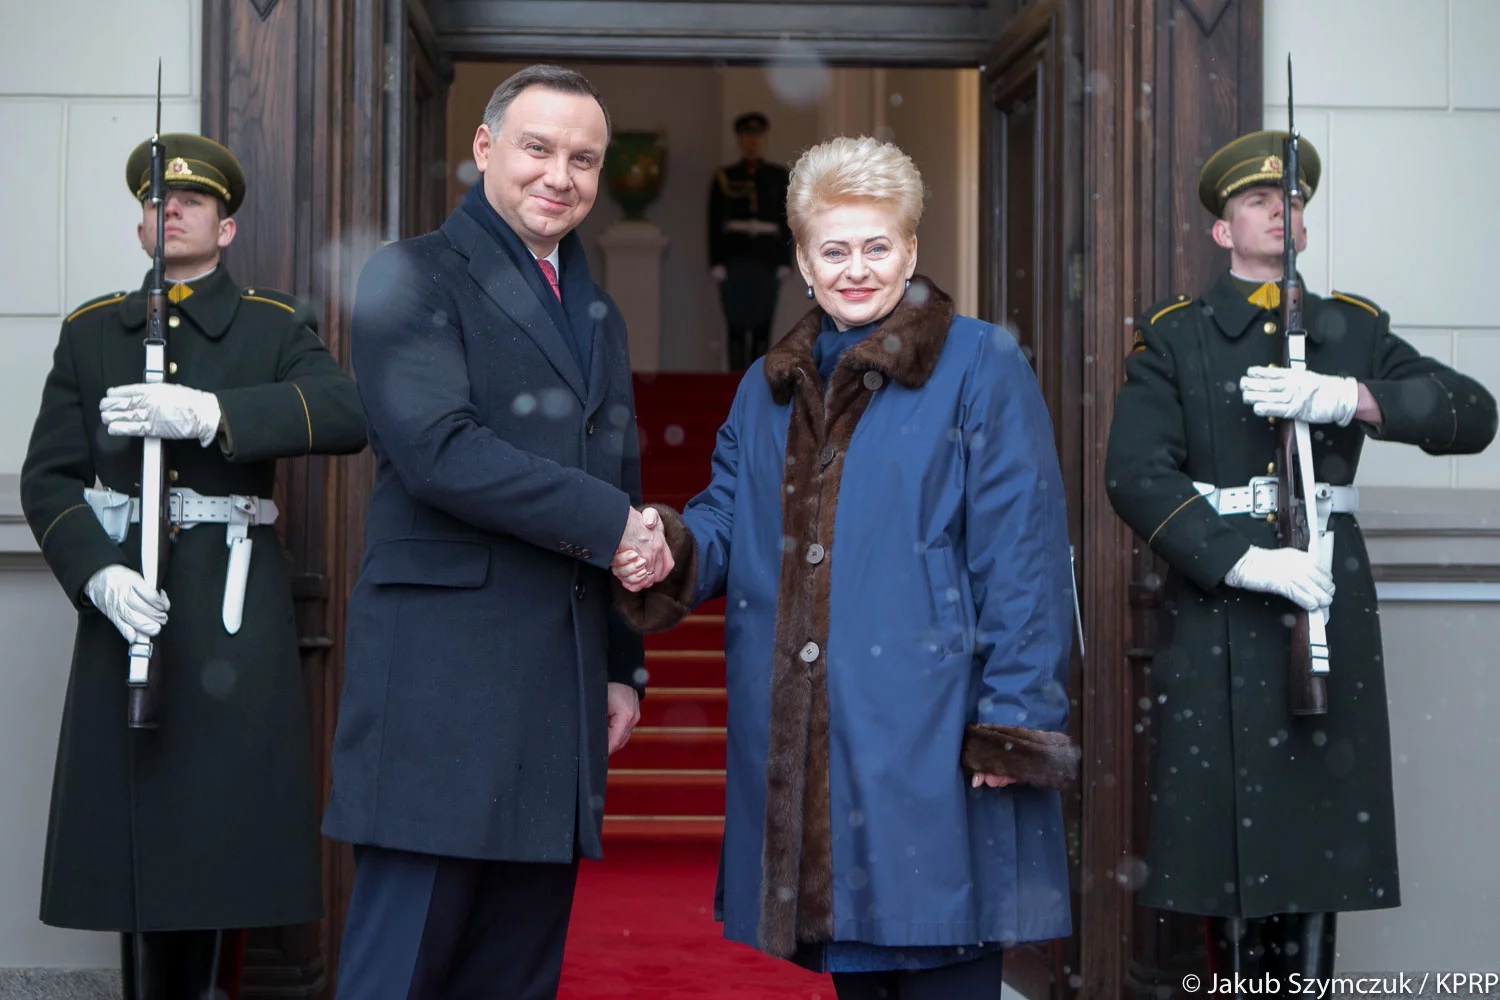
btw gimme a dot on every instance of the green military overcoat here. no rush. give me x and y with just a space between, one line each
210 820
1254 811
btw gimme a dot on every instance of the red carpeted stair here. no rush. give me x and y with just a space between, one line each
668 782
642 923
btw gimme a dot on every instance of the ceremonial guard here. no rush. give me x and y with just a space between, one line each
749 241
202 817
1266 819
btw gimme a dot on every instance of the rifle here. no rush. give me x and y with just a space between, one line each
1297 524
144 678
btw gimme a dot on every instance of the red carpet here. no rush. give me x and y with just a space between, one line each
643 927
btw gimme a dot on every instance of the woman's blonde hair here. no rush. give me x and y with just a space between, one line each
858 169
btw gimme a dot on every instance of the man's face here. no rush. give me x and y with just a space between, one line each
1253 224
194 232
752 145
541 173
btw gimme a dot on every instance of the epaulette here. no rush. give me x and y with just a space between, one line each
270 296
1357 300
91 304
1165 306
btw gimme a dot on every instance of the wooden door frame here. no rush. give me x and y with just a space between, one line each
1158 93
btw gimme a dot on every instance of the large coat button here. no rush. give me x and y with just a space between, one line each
874 380
815 553
826 455
809 652
579 591
1269 327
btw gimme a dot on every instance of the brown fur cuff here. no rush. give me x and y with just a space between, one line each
1031 756
659 607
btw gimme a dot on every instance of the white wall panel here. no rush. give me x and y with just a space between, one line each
91 47
1422 244
1476 71
31 207
1358 53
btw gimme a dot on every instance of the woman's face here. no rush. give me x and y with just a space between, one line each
856 262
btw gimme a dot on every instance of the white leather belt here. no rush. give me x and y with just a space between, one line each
1262 497
187 508
116 511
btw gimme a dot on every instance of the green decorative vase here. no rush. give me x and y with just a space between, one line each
634 168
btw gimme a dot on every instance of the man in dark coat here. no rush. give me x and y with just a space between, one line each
749 241
209 822
483 657
1266 822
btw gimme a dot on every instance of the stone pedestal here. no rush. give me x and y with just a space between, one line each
632 276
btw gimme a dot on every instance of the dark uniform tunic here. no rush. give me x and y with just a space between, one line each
749 237
209 821
1254 811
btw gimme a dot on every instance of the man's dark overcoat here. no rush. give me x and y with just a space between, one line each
481 633
210 820
1254 811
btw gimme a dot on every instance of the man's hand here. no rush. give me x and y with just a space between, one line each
128 601
643 557
163 410
624 713
1301 395
1291 573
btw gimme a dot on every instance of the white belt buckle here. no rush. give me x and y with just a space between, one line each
1265 495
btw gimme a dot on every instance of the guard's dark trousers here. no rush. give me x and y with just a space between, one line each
423 927
182 965
1276 946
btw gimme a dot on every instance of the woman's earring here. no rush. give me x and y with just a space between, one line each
908 282
809 290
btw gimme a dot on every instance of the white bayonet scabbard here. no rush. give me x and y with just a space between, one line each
242 514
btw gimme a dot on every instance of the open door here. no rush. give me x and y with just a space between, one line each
1031 245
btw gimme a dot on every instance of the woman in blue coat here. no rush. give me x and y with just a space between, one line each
886 519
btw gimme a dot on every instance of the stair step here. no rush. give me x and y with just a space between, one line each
664 793
664 829
684 668
703 632
693 707
666 748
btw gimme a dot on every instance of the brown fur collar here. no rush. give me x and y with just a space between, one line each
905 348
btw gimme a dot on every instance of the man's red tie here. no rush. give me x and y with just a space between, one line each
551 273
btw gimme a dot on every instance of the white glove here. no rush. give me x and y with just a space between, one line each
127 600
163 410
1291 573
718 272
1300 395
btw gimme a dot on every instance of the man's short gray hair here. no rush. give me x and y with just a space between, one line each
564 81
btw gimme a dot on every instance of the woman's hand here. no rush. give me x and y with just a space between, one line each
993 780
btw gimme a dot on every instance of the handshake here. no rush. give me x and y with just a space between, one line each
643 558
